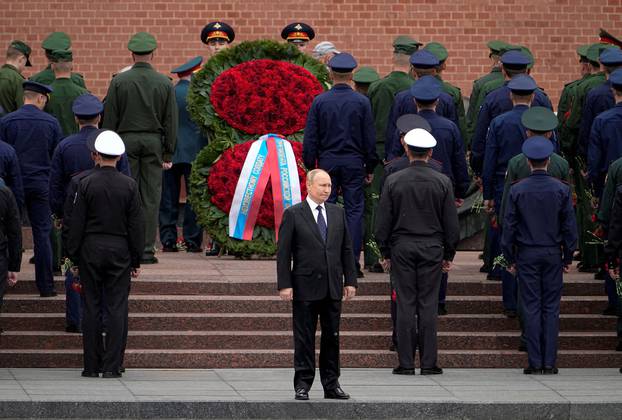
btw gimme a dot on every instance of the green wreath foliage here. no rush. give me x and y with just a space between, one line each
222 136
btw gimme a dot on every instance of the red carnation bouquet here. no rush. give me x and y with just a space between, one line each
265 96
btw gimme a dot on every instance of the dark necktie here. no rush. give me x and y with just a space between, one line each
321 223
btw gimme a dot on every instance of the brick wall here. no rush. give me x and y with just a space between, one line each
100 30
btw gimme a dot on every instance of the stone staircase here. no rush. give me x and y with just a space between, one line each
192 311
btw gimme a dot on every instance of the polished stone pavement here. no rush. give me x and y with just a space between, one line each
267 393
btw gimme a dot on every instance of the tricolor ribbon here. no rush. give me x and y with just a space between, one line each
269 158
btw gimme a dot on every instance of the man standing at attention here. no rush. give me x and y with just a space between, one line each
314 234
417 232
141 108
339 138
11 79
539 238
34 134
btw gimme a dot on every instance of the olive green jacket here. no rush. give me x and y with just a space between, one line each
65 91
11 91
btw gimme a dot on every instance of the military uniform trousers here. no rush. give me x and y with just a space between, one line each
416 272
73 302
540 273
4 267
349 179
104 271
305 317
169 207
144 152
508 281
40 216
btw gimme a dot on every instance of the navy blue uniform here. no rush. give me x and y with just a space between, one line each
496 103
340 138
404 103
598 100
69 159
504 141
540 236
190 141
11 174
34 134
605 146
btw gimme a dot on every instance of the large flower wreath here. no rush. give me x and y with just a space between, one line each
242 93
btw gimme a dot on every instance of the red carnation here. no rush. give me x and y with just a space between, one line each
265 96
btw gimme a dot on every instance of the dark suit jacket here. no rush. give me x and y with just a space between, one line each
319 268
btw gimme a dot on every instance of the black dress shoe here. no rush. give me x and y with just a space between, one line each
600 274
214 251
392 347
87 374
31 260
432 371
493 277
550 371
532 371
111 375
484 268
122 369
442 309
336 394
403 371
48 294
619 346
359 274
522 347
376 268
610 311
620 370
193 248
301 394
169 248
73 329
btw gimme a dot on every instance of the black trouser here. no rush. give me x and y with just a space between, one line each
416 273
4 271
305 316
104 270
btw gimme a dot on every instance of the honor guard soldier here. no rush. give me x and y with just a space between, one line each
495 47
498 101
71 158
34 134
539 238
417 249
190 141
600 98
64 91
363 78
381 96
504 141
55 41
10 241
405 123
11 173
105 240
423 63
11 79
441 53
217 36
339 138
141 108
299 34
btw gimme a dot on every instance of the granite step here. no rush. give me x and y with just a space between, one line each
273 304
283 358
283 322
349 340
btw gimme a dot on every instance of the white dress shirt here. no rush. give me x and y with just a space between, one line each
313 206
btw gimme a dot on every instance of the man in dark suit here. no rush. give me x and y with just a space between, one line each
314 234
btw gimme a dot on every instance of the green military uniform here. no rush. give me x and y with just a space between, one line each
441 53
56 41
141 107
495 74
65 91
11 91
590 252
381 95
363 78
